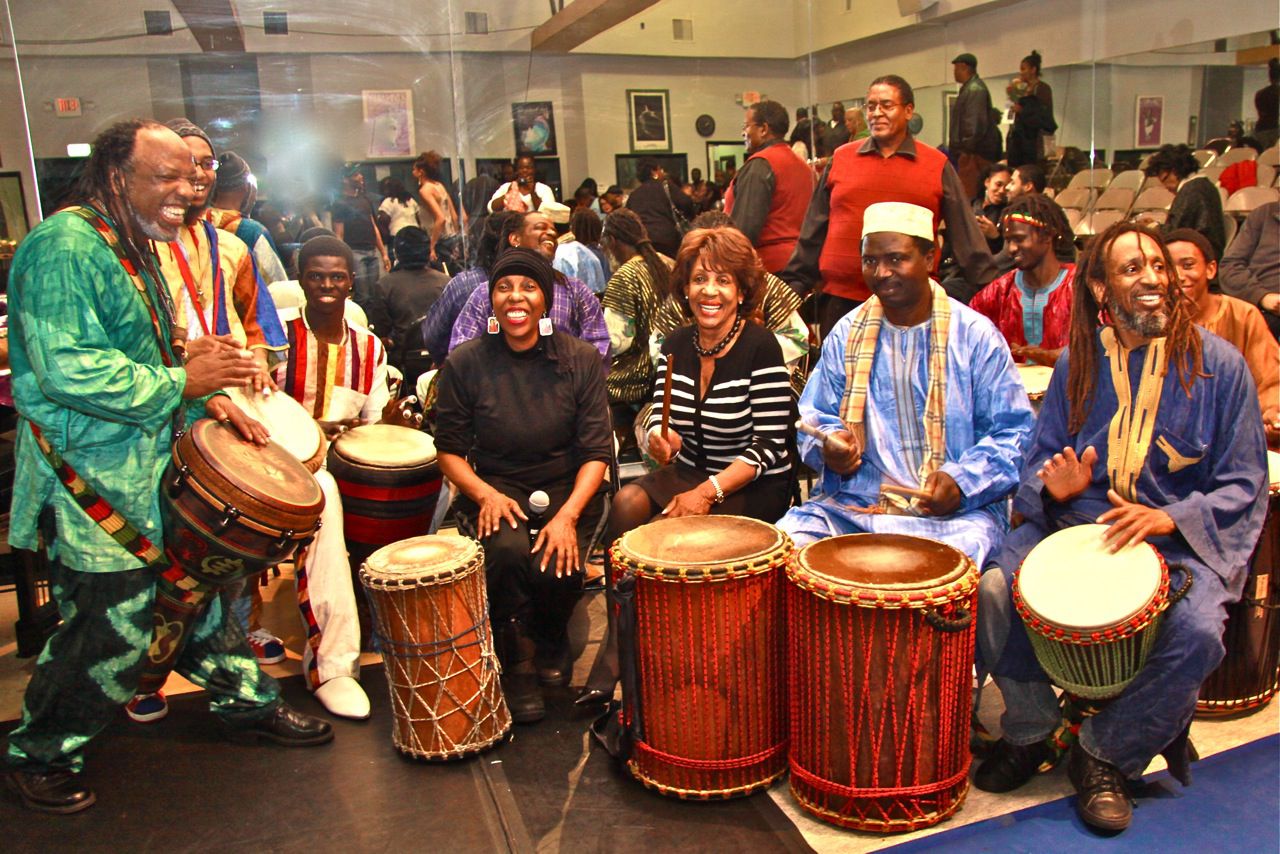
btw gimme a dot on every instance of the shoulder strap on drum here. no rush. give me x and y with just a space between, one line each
96 507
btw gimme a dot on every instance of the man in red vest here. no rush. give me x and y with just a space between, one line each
767 199
890 166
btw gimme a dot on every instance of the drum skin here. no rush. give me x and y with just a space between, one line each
709 717
289 424
880 660
432 624
389 482
1250 672
232 508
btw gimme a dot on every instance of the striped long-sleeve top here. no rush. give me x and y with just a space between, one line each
746 413
334 382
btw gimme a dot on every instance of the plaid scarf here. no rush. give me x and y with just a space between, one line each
858 359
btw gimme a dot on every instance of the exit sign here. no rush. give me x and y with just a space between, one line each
67 107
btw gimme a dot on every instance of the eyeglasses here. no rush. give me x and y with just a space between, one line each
871 107
209 164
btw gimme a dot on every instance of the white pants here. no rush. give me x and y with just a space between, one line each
326 597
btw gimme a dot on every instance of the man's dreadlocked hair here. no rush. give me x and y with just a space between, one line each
1040 207
103 182
1183 345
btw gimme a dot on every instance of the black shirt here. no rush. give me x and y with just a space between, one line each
402 299
534 417
651 203
356 215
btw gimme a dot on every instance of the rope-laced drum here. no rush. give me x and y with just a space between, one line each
1092 616
231 509
289 424
708 716
880 661
1250 673
431 617
389 482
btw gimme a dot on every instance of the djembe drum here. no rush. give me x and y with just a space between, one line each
389 482
1090 644
1250 672
708 716
289 424
1035 379
880 663
431 617
231 509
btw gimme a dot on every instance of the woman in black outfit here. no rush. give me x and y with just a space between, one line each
524 409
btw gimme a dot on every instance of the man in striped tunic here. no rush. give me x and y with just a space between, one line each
923 416
338 372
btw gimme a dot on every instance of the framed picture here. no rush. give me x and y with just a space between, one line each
534 123
649 115
627 167
388 122
1149 122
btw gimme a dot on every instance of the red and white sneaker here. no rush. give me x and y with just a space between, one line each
147 708
267 648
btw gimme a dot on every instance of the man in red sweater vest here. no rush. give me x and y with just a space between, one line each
890 166
768 197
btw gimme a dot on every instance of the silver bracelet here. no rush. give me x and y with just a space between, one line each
715 484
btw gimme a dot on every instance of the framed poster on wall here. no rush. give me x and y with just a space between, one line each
1149 122
534 123
649 115
388 122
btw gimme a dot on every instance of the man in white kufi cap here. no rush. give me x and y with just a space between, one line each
919 414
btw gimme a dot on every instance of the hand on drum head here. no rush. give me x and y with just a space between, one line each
1037 355
944 495
216 369
840 452
1065 475
399 412
262 379
694 502
558 542
1132 523
662 450
334 429
495 507
221 408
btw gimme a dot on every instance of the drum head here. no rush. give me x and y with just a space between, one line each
1035 378
1071 581
386 445
420 560
701 541
1273 471
888 562
288 423
270 474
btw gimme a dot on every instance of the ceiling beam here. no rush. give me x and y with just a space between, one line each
214 23
1257 55
583 20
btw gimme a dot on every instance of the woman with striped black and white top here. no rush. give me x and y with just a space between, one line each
726 450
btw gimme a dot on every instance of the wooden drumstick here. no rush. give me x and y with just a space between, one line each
808 429
905 491
666 395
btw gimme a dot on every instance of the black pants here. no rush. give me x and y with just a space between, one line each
516 585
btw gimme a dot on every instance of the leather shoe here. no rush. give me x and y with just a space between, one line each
1011 766
342 696
555 670
58 791
524 695
286 726
1102 793
591 696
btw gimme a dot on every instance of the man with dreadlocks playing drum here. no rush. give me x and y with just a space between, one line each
1150 427
1031 304
914 419
100 380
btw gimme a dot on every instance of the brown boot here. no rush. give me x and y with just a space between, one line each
1102 793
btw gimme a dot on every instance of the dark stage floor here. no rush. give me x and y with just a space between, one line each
179 786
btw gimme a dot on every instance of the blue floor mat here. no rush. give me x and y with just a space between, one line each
1232 805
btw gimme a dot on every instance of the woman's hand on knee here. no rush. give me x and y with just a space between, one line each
494 508
558 542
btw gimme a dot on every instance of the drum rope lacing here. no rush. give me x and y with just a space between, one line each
960 588
710 574
713 764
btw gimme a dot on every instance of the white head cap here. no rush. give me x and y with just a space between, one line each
900 218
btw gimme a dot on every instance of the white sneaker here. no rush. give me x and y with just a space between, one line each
343 696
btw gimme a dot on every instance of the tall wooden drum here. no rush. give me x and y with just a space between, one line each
709 713
431 618
1250 673
880 660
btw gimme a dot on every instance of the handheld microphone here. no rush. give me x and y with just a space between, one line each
539 501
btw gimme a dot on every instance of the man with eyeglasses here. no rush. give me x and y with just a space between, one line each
767 198
891 166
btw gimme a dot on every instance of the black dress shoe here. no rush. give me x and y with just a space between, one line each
591 696
556 670
1102 793
524 695
50 791
1011 766
286 726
